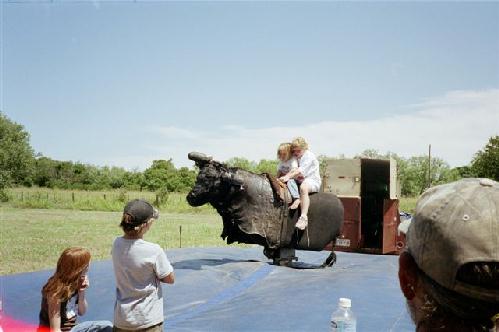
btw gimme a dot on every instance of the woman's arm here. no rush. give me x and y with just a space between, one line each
291 175
309 167
82 301
54 312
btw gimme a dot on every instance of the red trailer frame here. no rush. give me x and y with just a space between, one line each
369 191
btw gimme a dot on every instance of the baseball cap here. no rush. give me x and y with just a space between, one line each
455 224
141 211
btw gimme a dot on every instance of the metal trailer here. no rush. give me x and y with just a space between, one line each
370 191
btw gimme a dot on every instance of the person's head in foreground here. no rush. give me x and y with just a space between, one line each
449 272
138 217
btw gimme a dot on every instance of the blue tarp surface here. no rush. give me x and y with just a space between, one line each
236 289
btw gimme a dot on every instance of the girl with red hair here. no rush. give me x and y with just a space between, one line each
63 296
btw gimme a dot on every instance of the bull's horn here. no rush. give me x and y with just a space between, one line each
199 157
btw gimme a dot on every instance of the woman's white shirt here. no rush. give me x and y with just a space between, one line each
308 165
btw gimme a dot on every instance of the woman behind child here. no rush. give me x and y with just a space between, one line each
307 175
63 296
288 163
139 268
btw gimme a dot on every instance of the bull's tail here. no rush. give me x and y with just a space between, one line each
331 259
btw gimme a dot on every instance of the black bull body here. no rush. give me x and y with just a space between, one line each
253 213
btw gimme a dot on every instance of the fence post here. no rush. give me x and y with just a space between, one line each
22 196
73 196
157 200
104 196
180 237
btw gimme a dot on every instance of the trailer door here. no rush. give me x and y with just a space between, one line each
390 224
350 238
342 177
394 180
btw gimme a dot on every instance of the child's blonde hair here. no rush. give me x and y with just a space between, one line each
284 148
300 143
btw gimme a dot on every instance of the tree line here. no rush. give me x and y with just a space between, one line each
412 172
20 166
162 174
415 173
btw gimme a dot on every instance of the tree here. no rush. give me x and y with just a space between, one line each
4 180
266 166
242 163
186 178
323 165
163 175
16 155
372 154
464 171
486 161
413 174
134 180
45 172
115 177
159 175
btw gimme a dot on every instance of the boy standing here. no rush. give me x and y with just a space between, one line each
139 268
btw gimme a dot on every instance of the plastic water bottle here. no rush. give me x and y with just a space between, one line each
343 319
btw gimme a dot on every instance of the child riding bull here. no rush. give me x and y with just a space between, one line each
307 175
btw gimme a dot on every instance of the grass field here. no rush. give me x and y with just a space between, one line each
111 200
32 239
37 224
408 204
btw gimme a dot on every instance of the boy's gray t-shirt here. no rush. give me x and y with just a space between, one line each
138 266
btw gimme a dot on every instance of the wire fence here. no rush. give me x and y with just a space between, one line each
113 200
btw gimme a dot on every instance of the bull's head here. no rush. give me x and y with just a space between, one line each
214 180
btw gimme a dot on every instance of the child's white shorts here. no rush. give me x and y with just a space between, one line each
313 185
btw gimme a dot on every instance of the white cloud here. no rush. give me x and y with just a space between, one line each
456 124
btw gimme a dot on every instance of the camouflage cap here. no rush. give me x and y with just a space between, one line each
455 224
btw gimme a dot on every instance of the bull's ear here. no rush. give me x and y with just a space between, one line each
199 158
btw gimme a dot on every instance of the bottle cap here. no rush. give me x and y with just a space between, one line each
344 302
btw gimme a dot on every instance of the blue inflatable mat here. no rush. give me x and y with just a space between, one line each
235 289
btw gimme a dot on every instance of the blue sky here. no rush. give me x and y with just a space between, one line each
124 83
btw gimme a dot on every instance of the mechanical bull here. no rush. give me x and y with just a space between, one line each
253 212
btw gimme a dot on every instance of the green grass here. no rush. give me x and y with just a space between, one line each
38 224
408 204
114 200
111 200
32 239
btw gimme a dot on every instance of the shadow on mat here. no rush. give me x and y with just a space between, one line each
304 266
197 264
